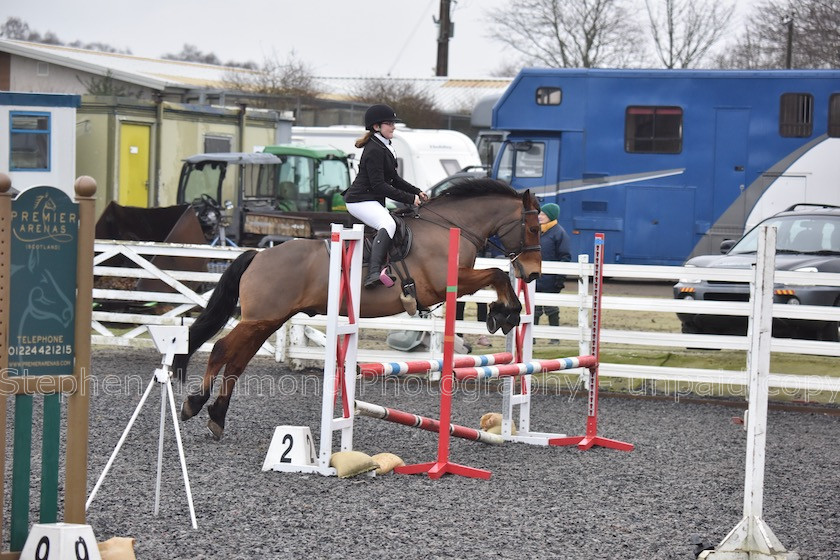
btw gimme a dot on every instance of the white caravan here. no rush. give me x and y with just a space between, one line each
424 156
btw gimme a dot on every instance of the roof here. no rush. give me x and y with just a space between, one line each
40 99
238 158
320 152
451 95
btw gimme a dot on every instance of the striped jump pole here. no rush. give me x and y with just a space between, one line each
527 368
591 437
376 369
371 410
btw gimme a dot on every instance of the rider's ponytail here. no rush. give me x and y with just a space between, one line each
364 139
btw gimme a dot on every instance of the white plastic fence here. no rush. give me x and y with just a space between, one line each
297 343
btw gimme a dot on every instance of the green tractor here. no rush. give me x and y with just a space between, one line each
281 193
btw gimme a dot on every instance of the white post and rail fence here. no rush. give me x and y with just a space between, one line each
126 307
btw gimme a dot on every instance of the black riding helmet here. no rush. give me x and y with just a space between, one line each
379 113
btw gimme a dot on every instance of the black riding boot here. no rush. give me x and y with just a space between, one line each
378 251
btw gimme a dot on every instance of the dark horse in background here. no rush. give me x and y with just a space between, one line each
274 284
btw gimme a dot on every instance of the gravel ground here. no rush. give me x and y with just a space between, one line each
684 478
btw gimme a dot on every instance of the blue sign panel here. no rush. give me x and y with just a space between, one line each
45 230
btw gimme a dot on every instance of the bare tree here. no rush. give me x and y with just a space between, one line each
191 53
684 30
413 106
568 33
277 84
818 33
804 32
16 28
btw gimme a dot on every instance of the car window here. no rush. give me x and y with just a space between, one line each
797 234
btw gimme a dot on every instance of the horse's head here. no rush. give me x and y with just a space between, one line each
498 209
523 243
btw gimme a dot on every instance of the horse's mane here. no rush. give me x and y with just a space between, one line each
471 188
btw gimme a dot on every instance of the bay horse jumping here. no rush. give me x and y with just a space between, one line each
274 284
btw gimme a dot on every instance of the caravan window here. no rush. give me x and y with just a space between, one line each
796 115
653 130
450 166
29 141
834 115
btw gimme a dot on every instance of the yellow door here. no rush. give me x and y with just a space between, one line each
135 140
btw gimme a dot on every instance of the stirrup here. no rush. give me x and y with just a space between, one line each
386 279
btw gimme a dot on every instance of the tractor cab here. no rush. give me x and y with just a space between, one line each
267 197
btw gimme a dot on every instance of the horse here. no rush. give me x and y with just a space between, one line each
274 284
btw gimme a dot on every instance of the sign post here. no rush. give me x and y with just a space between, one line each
46 241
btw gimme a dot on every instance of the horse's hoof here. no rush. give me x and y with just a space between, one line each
186 411
215 429
492 323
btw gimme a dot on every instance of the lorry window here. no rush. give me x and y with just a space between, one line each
653 130
530 159
505 172
549 95
796 115
834 115
521 159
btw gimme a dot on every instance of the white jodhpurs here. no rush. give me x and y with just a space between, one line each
373 215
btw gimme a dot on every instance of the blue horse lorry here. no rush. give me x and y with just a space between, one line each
669 163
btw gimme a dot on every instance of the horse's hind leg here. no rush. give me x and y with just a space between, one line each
239 347
195 401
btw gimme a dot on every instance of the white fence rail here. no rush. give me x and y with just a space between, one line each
124 312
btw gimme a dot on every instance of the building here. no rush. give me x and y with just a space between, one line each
39 145
139 117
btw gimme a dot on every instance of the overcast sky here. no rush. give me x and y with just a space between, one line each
354 38
334 37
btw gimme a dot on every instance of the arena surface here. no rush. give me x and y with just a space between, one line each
684 479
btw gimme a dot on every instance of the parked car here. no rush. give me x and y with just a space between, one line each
807 240
470 172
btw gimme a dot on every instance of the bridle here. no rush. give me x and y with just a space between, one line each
504 229
513 255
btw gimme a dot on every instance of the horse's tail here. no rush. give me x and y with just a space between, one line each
219 309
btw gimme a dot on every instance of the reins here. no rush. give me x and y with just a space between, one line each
481 241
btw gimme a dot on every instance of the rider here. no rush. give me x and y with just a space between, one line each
377 179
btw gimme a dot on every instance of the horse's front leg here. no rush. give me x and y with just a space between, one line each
504 312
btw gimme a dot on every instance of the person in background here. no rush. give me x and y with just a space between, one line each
554 245
377 180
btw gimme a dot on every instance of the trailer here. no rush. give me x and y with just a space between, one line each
669 163
424 156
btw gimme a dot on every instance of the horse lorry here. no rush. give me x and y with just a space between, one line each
267 197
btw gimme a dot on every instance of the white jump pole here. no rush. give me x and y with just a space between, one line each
752 539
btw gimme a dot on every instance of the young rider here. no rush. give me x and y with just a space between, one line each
377 180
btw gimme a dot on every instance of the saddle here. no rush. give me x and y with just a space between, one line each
400 247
